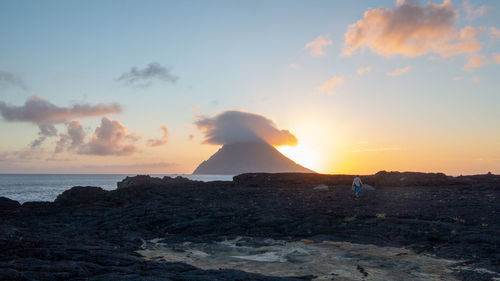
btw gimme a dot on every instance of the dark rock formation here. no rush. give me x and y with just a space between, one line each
81 194
233 159
382 178
147 181
96 238
8 204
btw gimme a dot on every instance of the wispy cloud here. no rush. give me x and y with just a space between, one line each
496 57
475 61
457 78
38 110
20 155
294 66
363 70
472 13
132 166
152 71
399 71
238 126
494 33
328 86
12 79
160 141
476 79
316 47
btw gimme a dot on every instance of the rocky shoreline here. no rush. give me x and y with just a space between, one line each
92 234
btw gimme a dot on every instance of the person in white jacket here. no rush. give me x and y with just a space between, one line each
356 186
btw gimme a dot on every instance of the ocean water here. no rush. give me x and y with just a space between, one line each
45 187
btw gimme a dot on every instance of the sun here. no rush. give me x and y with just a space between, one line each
302 155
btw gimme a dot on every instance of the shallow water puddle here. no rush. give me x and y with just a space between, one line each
326 260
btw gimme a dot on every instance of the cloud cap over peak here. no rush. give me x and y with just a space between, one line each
237 127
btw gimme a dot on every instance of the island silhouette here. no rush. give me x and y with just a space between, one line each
248 157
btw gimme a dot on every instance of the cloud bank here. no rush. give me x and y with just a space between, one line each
153 71
412 30
44 114
40 111
237 127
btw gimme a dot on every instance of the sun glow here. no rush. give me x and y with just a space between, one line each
302 155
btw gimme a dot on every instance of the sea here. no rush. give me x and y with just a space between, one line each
46 187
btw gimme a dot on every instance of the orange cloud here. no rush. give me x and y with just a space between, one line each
494 33
330 84
412 30
363 70
316 47
496 57
475 61
110 138
399 71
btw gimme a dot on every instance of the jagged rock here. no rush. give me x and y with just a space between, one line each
8 204
92 234
147 181
81 194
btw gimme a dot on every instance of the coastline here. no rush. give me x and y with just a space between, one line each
90 233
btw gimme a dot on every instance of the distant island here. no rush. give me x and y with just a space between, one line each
248 157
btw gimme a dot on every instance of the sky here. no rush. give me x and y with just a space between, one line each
338 86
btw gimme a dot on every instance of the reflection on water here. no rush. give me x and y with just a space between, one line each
326 260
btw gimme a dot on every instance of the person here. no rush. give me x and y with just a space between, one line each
356 186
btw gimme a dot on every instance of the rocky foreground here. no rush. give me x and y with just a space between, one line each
92 234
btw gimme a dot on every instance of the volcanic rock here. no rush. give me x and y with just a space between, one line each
8 204
147 181
81 194
237 158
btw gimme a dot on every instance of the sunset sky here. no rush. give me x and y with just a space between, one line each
338 86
